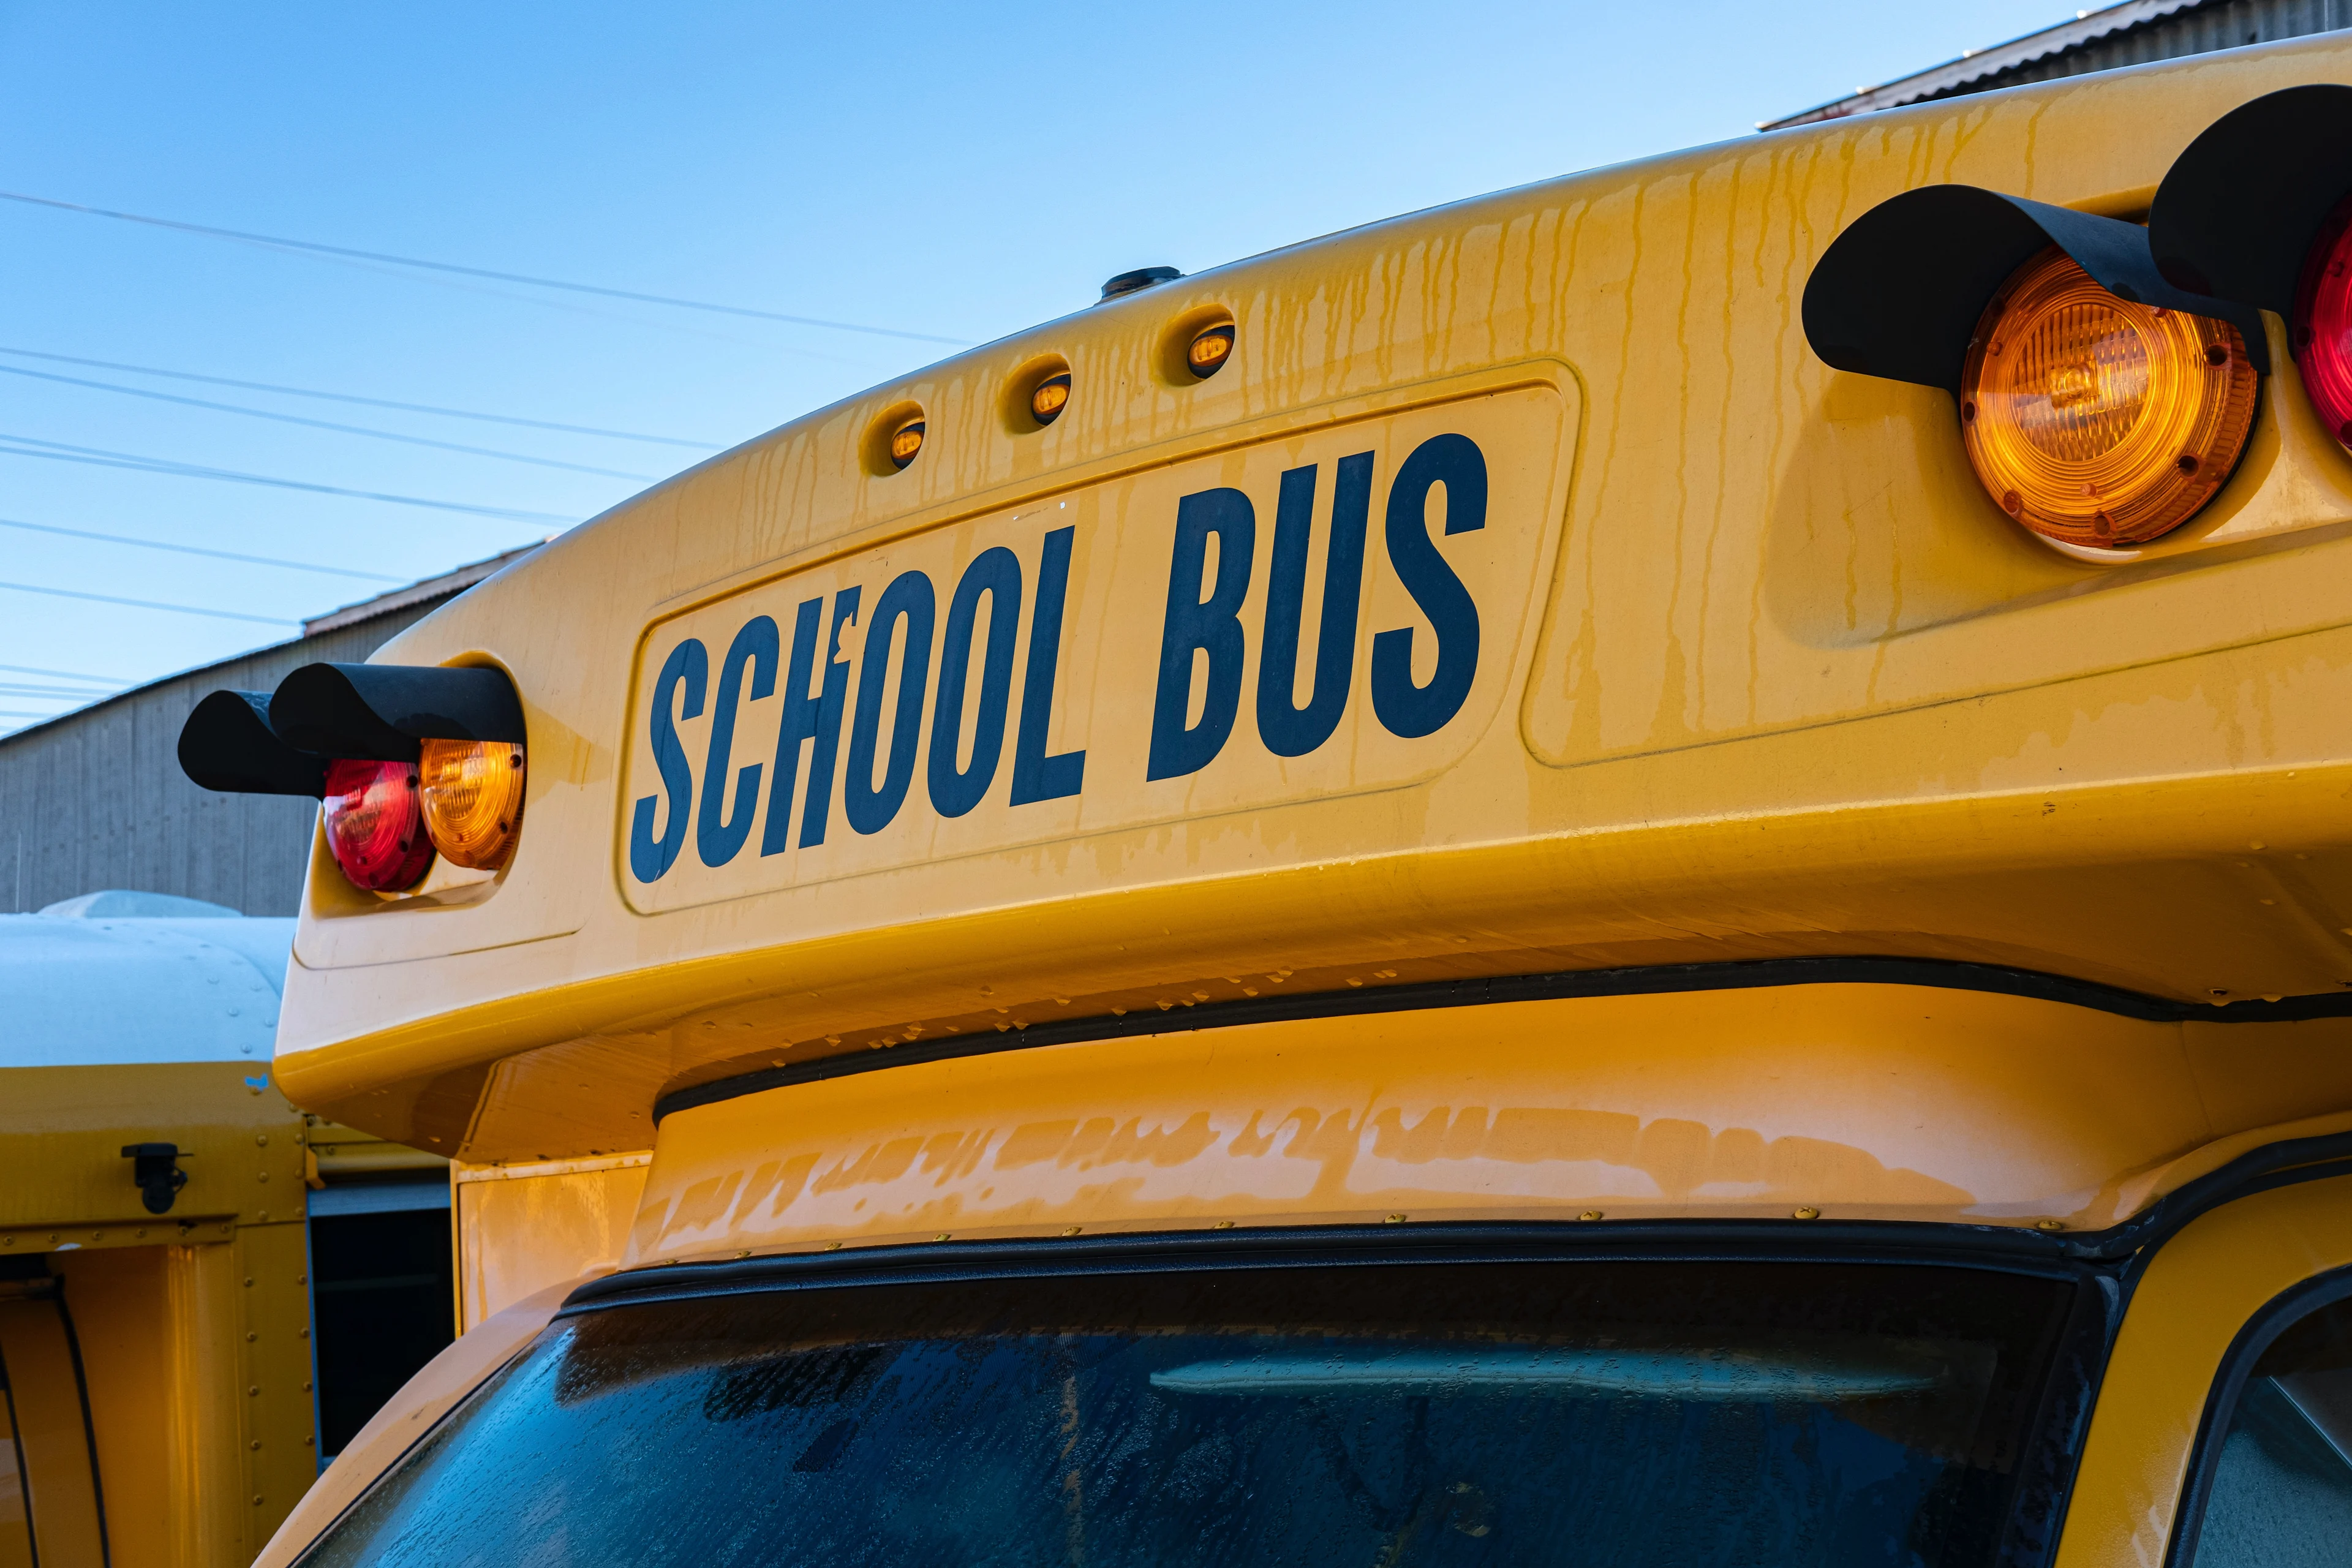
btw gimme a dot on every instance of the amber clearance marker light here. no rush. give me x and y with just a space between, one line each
1050 397
473 800
904 442
1209 351
2095 421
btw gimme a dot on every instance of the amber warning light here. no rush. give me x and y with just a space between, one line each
2094 420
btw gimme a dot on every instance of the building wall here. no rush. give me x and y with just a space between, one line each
96 799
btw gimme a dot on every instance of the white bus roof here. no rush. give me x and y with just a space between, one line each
116 978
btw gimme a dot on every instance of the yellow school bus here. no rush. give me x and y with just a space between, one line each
153 1255
204 1292
1655 870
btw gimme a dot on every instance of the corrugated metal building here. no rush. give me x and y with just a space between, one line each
95 798
2133 34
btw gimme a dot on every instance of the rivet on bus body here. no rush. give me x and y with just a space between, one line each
2050 1225
1809 1212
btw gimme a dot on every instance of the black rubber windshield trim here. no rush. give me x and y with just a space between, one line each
2004 1249
1741 975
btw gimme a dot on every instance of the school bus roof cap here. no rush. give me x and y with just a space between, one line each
84 989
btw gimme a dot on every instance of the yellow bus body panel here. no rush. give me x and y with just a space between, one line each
193 1327
2196 1297
1880 1102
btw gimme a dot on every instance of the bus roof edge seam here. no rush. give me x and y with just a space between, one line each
1740 974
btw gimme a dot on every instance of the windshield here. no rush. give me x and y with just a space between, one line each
1601 1413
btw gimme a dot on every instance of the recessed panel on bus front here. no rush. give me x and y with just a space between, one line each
1324 612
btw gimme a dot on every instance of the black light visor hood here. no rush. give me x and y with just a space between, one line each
1900 292
382 710
227 745
2239 209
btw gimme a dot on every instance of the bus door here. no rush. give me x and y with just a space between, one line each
49 1505
2223 1433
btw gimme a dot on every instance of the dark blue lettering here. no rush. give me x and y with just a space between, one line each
1036 776
996 573
813 719
1198 626
1288 730
688 666
1410 710
908 598
716 837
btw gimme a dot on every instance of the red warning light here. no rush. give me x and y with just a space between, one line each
2322 322
375 823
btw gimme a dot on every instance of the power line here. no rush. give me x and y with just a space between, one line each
150 605
25 688
59 451
65 674
323 423
194 550
371 402
478 271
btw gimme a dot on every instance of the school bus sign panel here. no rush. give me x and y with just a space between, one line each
1323 612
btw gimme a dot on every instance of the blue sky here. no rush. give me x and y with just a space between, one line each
957 172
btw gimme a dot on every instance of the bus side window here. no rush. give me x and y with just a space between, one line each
2277 1472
